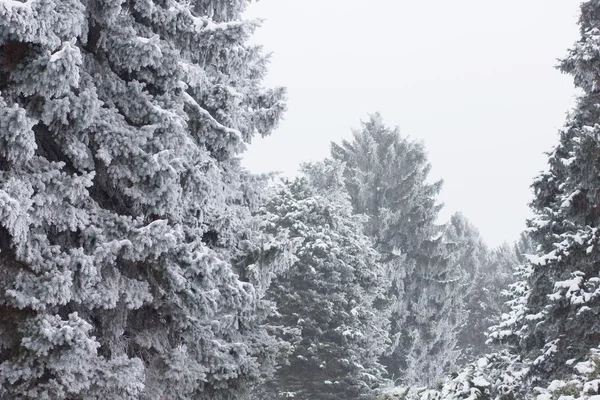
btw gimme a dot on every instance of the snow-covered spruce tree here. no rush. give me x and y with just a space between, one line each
552 331
489 274
469 255
561 324
468 384
332 297
124 214
500 374
386 177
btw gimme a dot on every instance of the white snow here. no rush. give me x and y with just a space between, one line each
146 40
583 309
58 55
12 3
543 260
592 386
480 381
556 385
482 362
585 367
567 201
190 100
568 161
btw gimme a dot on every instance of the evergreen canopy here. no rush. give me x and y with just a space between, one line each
124 214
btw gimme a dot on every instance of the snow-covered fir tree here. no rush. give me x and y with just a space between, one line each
488 275
563 300
332 298
501 373
125 218
469 255
386 177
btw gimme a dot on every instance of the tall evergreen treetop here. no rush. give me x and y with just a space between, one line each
333 295
387 179
562 298
122 202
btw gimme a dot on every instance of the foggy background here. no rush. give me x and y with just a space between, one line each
473 79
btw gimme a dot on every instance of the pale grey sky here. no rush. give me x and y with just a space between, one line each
473 79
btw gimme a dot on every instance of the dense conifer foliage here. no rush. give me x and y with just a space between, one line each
559 327
387 178
565 284
333 295
139 260
488 274
470 256
125 216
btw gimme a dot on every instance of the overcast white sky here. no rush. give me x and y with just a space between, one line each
473 79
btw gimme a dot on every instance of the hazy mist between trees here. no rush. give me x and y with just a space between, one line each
139 260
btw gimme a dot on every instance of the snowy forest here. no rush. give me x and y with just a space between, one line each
140 260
